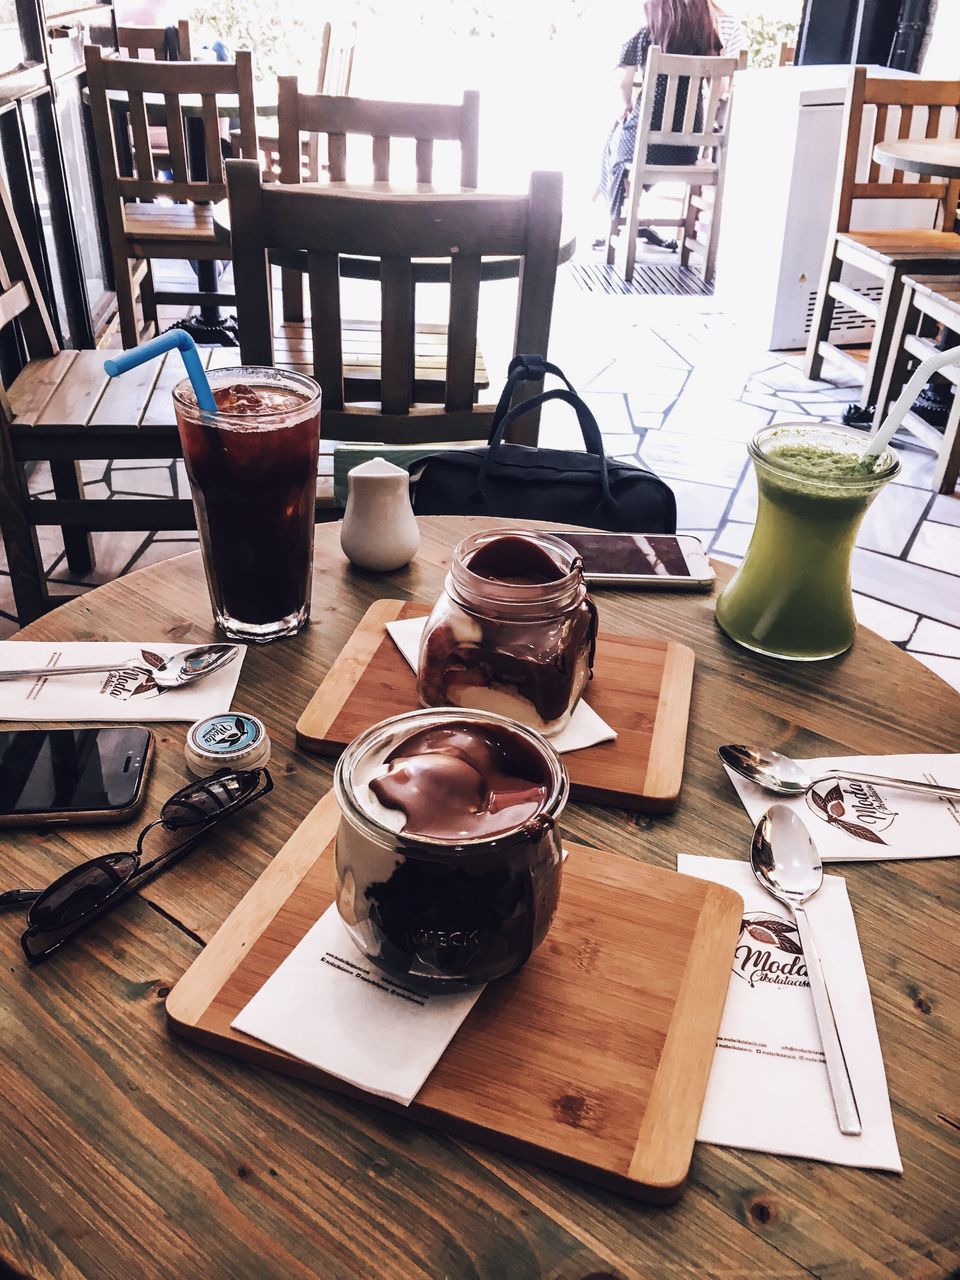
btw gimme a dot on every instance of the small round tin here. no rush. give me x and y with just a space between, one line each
232 740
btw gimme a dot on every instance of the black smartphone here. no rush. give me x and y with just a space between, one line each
72 775
643 560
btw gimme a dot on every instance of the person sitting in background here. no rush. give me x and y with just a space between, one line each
674 26
733 38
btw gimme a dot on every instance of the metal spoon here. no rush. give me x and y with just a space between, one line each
785 861
177 670
785 777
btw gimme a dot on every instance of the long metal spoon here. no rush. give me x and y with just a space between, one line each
786 777
177 670
786 862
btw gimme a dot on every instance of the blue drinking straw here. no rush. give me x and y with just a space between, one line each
174 339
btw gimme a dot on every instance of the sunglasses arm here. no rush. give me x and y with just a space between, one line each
18 898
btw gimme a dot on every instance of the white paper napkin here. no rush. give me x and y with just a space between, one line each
585 729
328 1005
768 1088
124 694
856 822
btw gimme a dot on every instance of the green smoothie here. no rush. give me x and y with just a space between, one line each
791 597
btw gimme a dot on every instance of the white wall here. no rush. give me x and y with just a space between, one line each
942 59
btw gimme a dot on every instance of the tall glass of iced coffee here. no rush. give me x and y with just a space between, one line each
253 474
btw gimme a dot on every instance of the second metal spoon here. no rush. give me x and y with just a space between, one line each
177 670
787 777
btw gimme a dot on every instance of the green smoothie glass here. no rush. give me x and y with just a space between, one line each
791 597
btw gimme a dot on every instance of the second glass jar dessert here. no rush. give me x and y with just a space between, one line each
514 631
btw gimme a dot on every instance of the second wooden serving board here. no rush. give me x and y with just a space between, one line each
641 688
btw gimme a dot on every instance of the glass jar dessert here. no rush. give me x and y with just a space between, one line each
514 632
792 597
448 856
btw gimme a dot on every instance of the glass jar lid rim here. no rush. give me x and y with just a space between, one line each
184 394
886 465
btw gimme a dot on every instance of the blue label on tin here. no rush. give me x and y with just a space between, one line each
227 733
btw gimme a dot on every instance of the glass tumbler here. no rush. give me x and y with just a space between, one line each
791 597
253 475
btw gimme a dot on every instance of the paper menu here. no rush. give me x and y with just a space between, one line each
858 822
328 1005
123 695
585 729
768 1087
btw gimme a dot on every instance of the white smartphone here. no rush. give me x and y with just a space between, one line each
663 560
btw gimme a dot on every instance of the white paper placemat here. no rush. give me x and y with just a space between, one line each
585 729
768 1087
126 693
328 1005
858 822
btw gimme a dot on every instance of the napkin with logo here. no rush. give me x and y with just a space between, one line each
328 1005
127 693
768 1087
858 822
585 729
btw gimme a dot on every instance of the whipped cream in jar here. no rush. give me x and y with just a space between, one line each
514 632
448 856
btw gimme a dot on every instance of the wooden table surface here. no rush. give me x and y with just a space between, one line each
938 156
127 1153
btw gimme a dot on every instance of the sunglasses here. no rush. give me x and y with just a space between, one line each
87 892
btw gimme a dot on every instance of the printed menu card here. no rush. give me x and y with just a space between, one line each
768 1087
854 821
328 1005
128 692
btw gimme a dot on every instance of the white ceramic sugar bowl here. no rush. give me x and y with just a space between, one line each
379 530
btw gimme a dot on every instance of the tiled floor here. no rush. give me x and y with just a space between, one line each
674 385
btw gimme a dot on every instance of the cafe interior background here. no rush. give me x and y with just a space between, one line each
679 374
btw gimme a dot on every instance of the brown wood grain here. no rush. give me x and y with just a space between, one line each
641 688
127 1152
594 1059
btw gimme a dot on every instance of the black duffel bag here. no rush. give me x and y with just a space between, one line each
558 485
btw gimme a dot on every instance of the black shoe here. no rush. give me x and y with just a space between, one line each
654 238
858 415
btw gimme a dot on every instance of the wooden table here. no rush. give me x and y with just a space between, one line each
937 156
126 1153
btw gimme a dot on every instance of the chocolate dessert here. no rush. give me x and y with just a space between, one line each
497 644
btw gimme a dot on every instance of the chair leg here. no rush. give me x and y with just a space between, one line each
630 229
881 346
947 470
68 485
690 215
19 536
148 300
897 363
822 320
126 307
291 289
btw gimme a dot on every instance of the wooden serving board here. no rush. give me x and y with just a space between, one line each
641 687
593 1059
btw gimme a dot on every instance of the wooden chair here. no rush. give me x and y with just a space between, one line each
157 44
877 109
328 221
140 226
788 54
336 118
690 85
928 303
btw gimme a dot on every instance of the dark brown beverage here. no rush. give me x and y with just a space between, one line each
253 474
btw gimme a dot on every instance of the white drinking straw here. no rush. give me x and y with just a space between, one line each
172 340
884 433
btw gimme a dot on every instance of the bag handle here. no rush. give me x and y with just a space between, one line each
524 369
588 428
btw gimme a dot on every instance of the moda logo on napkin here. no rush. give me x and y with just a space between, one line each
127 682
854 807
769 952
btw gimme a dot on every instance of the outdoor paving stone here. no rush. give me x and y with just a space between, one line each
891 520
699 506
628 374
674 454
938 546
885 619
745 503
945 509
611 412
733 539
642 403
115 554
784 377
911 586
147 482
647 421
702 415
761 400
935 637
916 468
947 669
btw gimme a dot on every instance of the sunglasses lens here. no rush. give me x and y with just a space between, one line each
81 891
202 801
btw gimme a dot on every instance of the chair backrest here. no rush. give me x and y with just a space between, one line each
337 52
166 89
881 108
692 91
165 44
20 296
381 122
396 228
788 54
